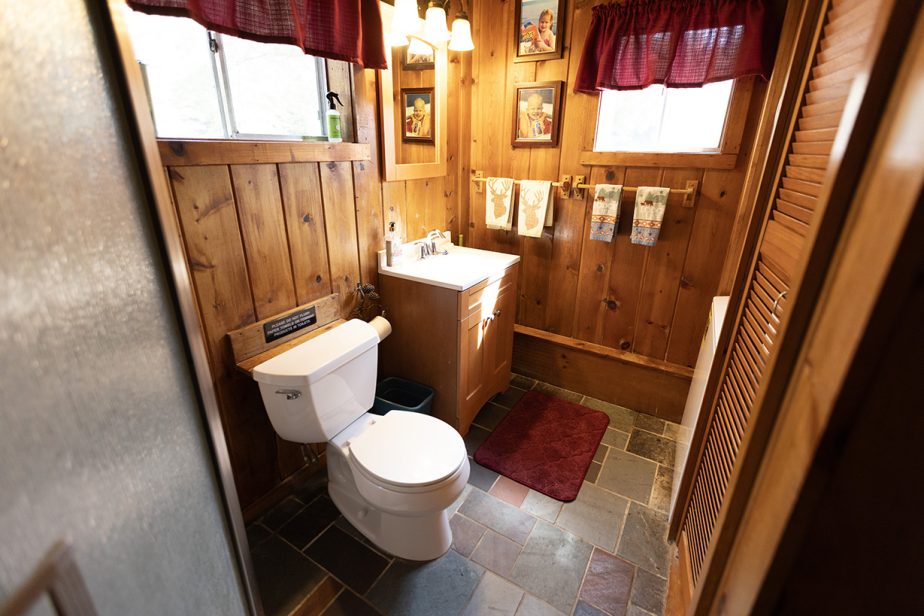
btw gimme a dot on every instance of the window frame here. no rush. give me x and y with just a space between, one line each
221 88
226 102
725 157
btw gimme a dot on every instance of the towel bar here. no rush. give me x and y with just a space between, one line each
575 190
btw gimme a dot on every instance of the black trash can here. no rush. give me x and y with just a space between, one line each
397 394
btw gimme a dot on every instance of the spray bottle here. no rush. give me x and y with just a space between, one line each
334 130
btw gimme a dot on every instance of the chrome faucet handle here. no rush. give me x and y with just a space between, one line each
424 249
432 237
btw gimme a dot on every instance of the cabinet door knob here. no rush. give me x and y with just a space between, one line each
497 312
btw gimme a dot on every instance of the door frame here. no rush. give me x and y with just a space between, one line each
138 111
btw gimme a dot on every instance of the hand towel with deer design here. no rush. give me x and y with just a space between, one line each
605 217
497 212
650 202
535 207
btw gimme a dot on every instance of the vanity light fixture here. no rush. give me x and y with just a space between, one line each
406 20
405 27
435 29
461 32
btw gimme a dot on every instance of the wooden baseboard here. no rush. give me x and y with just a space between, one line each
679 581
640 383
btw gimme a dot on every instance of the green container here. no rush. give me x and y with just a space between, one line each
397 394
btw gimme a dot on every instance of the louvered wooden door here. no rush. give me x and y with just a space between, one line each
838 54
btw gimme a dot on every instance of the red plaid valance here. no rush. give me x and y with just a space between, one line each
678 43
348 30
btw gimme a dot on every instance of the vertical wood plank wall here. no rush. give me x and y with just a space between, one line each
263 238
266 237
651 302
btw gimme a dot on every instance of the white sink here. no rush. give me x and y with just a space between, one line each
460 269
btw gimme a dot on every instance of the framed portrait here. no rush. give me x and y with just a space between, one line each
417 61
418 105
539 30
537 115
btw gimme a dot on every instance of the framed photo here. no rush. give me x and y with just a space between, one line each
537 115
417 61
418 105
539 30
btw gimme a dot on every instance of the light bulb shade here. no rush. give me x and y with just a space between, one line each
435 29
419 48
405 20
461 35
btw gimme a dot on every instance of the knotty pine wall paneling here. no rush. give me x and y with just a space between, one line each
262 239
652 302
271 226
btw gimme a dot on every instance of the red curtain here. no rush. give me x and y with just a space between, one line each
678 43
348 30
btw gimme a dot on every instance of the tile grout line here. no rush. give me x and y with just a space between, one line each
664 436
583 579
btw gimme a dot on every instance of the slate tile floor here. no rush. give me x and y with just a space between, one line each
515 551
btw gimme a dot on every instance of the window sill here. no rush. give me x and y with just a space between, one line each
699 160
225 152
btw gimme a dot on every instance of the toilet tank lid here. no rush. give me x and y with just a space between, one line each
314 359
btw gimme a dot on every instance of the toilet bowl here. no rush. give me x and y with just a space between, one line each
392 476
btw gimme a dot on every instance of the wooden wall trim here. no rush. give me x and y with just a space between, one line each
606 352
629 380
679 581
221 152
699 160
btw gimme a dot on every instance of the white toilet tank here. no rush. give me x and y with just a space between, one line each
315 390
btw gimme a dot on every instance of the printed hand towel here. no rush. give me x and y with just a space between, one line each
497 212
535 209
650 202
605 217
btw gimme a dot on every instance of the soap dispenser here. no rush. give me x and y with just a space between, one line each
392 245
334 129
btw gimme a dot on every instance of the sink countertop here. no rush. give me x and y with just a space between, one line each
461 269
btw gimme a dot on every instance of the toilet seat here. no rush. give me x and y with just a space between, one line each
407 450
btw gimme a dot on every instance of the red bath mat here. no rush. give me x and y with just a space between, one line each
545 443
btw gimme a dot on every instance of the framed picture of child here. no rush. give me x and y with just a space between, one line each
537 115
538 30
418 115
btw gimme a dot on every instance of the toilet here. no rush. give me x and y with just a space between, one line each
392 476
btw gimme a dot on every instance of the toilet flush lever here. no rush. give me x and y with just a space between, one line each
290 394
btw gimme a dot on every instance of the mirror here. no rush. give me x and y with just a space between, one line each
412 95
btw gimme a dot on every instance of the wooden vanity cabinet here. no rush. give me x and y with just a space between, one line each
460 343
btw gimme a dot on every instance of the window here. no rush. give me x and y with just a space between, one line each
204 85
659 119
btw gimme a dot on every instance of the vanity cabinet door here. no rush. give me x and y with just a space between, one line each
472 385
499 340
486 345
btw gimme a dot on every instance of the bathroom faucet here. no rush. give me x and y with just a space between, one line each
432 237
424 250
